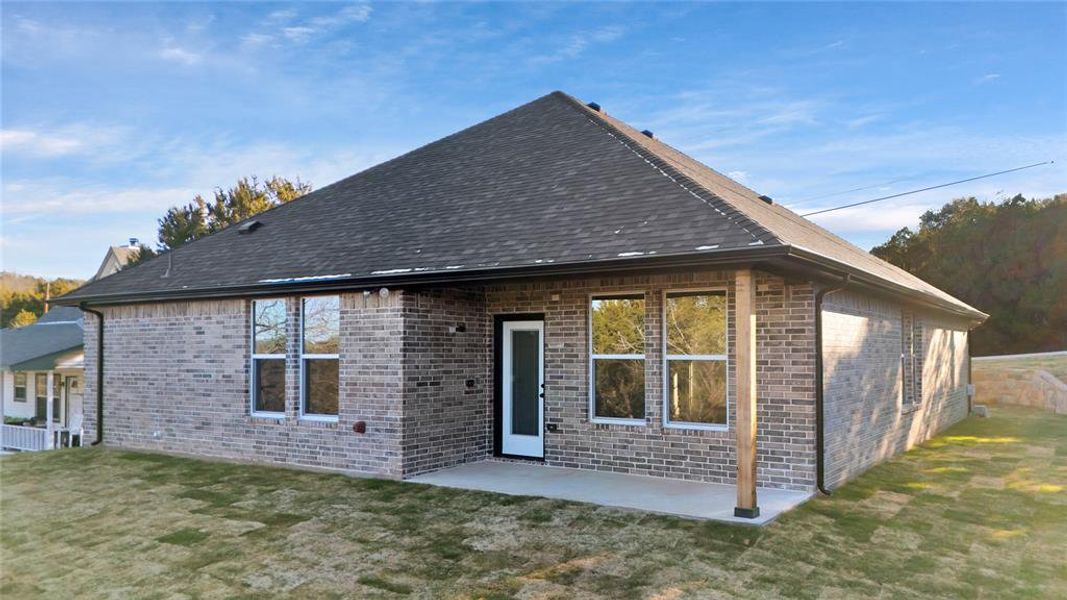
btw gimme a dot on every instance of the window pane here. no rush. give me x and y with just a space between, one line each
322 325
269 384
697 391
40 383
269 326
696 323
620 388
525 382
20 387
321 380
618 325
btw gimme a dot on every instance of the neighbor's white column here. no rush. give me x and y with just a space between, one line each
49 442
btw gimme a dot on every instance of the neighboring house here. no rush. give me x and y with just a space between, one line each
41 368
549 285
116 258
41 375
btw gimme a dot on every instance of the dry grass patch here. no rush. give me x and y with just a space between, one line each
980 512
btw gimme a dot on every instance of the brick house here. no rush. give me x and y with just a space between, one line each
549 285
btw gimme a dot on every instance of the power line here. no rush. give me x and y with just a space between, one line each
859 189
933 187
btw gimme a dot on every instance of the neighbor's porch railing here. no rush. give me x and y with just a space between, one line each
20 437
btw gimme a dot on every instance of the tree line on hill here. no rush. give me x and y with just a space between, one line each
23 297
1008 260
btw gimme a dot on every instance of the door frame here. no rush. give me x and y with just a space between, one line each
498 390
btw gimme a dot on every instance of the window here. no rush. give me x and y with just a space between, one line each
20 387
910 360
695 358
57 398
617 357
40 385
268 356
319 356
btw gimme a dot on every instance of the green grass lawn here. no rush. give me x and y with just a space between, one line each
1056 365
980 512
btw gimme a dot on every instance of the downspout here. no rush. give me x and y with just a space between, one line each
820 453
99 372
970 377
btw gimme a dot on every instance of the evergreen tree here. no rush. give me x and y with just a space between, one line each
248 197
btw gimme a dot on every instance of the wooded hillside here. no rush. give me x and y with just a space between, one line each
22 296
1008 259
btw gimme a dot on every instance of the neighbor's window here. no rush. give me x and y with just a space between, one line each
40 385
695 324
618 357
268 356
57 399
319 355
20 387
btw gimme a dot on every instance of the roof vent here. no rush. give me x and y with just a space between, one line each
649 134
248 227
767 199
594 106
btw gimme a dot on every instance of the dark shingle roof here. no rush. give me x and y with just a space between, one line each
550 182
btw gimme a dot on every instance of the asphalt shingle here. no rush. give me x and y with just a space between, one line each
550 182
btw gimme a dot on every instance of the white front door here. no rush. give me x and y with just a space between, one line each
523 382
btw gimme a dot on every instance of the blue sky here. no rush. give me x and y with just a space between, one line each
113 112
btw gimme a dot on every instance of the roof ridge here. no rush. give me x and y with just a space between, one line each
319 192
667 170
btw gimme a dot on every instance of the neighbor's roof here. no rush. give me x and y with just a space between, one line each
550 184
37 346
116 258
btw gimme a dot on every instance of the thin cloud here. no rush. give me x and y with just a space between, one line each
180 55
282 15
359 13
859 122
987 78
298 34
254 40
58 142
578 43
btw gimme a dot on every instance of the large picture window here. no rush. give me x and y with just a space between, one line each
320 347
617 356
695 358
20 387
268 356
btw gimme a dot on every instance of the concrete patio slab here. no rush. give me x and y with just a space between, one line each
653 494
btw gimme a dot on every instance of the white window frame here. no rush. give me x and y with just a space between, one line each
303 376
15 387
593 418
725 358
254 355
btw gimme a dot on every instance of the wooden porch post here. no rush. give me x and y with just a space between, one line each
745 357
49 443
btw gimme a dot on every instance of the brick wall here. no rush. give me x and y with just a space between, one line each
867 418
446 420
176 378
785 372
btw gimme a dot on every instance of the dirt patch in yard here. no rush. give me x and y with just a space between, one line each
978 512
